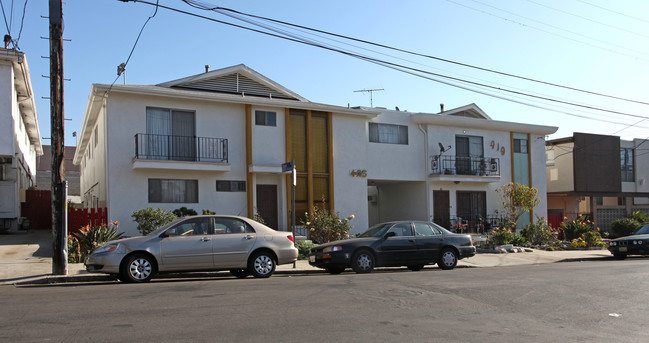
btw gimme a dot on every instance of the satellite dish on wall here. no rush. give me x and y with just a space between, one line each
442 149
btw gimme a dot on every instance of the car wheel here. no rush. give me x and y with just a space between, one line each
334 270
363 261
619 256
138 268
416 268
447 259
261 265
240 273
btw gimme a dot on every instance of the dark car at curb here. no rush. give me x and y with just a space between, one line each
413 244
636 244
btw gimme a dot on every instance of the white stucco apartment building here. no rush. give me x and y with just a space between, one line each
20 139
217 141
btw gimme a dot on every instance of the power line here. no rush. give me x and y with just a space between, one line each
402 68
552 33
612 11
203 6
588 19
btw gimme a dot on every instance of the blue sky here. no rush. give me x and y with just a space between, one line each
595 45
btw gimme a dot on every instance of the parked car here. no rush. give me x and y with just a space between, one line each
401 243
196 243
636 244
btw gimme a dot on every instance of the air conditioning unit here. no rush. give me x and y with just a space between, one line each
493 166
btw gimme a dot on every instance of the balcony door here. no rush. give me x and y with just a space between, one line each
469 151
171 134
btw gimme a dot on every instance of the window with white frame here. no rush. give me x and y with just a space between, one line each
173 191
388 133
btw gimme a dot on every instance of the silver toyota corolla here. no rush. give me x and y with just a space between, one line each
211 242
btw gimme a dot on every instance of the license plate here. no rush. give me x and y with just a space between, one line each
622 249
312 258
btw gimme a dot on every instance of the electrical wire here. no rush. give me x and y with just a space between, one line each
22 21
203 6
406 69
5 17
612 11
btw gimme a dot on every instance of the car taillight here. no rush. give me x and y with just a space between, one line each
291 238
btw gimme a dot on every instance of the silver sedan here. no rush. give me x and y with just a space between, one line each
197 243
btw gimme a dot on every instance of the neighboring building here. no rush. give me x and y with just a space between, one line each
596 175
72 173
20 139
217 141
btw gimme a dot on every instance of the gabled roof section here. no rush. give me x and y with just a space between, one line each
239 79
469 111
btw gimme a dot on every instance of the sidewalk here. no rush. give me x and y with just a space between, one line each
26 258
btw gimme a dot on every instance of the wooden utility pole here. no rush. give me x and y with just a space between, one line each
59 186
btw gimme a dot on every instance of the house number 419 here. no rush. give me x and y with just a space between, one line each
359 173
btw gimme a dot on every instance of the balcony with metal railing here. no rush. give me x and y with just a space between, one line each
180 152
459 168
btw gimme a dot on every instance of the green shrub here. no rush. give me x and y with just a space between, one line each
625 226
205 212
184 212
303 248
149 219
574 229
81 243
540 233
258 218
325 227
502 236
641 217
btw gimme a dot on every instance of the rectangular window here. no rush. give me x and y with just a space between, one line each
265 118
469 154
230 186
96 136
520 145
626 164
471 206
388 133
173 191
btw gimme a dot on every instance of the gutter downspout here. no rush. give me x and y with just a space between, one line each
427 182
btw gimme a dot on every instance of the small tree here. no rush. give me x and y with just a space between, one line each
184 212
325 227
518 199
149 219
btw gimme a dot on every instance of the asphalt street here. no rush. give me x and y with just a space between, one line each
590 301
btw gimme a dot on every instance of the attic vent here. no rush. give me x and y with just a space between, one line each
235 84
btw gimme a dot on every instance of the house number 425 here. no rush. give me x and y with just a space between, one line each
359 173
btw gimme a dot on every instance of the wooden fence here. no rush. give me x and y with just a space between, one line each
38 210
80 217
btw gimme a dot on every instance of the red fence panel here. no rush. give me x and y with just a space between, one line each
80 217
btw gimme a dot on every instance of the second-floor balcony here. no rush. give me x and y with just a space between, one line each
150 148
458 168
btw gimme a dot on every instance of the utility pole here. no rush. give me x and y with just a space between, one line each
371 91
59 186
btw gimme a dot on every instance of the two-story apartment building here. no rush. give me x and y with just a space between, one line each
217 141
602 176
20 139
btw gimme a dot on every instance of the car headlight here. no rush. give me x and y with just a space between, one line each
333 248
613 244
106 248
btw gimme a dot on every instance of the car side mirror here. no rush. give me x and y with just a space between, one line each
390 234
165 234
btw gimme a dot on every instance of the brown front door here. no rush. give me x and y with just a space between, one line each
267 204
441 208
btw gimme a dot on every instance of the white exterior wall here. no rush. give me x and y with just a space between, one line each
128 187
350 137
7 114
641 165
560 176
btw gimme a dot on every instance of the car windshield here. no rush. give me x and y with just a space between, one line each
643 230
375 231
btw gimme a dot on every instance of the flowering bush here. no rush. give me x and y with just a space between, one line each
582 229
459 228
325 227
501 236
578 243
540 233
81 243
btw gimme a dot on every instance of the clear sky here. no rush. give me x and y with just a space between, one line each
595 45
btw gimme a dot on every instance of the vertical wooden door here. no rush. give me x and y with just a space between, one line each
267 204
441 208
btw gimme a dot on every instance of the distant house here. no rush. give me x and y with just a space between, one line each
217 141
72 173
20 139
596 175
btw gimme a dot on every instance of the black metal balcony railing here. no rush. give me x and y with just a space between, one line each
180 148
457 165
